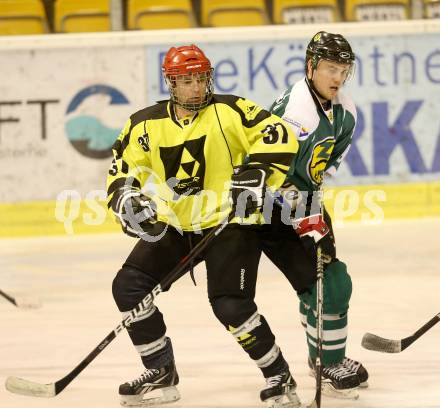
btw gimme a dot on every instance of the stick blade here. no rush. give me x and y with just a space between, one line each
376 343
32 389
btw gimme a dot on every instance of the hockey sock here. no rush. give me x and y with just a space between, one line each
157 354
334 335
256 338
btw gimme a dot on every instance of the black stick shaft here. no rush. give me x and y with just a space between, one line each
7 297
319 324
427 326
411 339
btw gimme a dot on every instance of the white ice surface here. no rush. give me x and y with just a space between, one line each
396 274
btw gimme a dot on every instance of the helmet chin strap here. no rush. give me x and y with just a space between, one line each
313 87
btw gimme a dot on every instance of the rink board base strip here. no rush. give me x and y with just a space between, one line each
41 218
373 203
370 204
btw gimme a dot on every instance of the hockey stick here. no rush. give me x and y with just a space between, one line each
316 403
376 343
33 389
22 302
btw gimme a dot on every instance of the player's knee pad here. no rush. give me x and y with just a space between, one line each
232 310
337 288
130 286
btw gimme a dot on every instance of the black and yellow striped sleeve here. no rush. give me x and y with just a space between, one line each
271 140
131 161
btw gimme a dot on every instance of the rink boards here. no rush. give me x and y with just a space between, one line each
369 205
59 119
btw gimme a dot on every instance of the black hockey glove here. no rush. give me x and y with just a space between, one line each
248 188
313 230
135 212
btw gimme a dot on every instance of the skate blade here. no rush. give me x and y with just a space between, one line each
330 391
169 394
289 400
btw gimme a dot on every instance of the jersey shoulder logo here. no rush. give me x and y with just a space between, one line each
249 109
303 133
319 158
279 106
184 166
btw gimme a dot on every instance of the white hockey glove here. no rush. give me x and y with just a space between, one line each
248 188
135 212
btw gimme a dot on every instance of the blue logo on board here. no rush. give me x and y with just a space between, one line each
85 127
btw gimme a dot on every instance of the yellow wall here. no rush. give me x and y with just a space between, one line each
373 203
367 204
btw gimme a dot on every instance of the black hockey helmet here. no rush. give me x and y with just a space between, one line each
332 47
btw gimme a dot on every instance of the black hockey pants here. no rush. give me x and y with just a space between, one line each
231 262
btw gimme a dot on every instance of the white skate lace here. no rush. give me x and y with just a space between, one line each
144 376
338 371
274 381
351 364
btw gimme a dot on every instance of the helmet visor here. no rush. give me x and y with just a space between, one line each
340 69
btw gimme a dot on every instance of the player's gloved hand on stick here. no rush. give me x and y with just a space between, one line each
313 230
135 212
248 188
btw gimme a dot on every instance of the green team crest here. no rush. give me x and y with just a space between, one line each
318 161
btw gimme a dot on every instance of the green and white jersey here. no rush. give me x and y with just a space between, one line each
324 136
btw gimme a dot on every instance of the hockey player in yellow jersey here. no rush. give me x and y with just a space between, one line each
176 167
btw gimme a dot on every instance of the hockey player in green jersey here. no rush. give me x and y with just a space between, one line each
175 165
324 120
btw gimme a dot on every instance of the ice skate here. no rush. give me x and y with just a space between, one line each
359 369
338 381
280 392
136 393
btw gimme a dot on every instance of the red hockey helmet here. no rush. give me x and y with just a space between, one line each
184 61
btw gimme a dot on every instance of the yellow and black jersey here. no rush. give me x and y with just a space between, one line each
185 165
